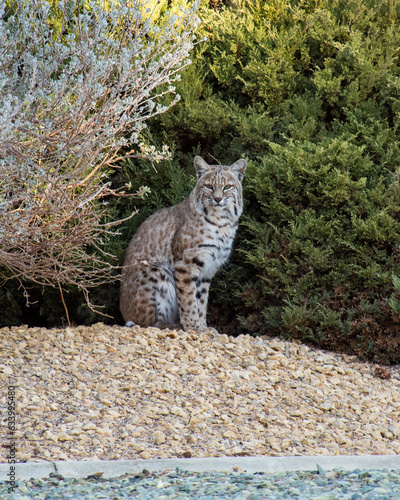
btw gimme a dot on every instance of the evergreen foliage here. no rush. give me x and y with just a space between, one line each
309 93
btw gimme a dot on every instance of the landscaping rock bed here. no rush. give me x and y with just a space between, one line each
104 392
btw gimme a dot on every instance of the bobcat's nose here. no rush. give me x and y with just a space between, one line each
217 200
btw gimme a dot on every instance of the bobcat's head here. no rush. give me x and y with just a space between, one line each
219 188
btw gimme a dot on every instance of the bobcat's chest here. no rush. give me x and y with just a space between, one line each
216 247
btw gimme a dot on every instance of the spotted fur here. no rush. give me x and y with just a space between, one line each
175 253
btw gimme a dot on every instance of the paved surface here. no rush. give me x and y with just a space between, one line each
115 468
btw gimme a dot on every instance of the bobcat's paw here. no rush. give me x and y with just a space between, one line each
201 328
211 329
207 329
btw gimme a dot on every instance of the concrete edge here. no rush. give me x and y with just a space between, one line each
114 468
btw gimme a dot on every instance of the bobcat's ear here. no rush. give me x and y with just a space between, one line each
201 166
239 168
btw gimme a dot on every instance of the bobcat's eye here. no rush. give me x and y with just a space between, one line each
228 186
209 186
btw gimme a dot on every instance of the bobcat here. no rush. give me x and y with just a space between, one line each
174 254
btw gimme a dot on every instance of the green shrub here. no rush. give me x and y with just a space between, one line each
326 247
310 95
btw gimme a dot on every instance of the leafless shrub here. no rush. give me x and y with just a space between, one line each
77 84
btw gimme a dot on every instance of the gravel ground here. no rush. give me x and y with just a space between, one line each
105 392
354 485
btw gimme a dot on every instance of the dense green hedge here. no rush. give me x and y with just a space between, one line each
309 92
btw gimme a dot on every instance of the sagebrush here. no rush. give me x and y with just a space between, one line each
78 81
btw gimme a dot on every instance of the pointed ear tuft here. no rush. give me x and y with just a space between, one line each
239 168
201 166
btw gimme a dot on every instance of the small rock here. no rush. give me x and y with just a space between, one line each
175 410
159 437
95 475
63 436
394 429
89 427
230 435
338 424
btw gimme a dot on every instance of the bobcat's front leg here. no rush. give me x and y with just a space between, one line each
202 289
187 280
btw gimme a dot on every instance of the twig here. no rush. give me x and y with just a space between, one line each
64 304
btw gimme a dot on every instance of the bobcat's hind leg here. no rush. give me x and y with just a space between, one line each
137 296
148 296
